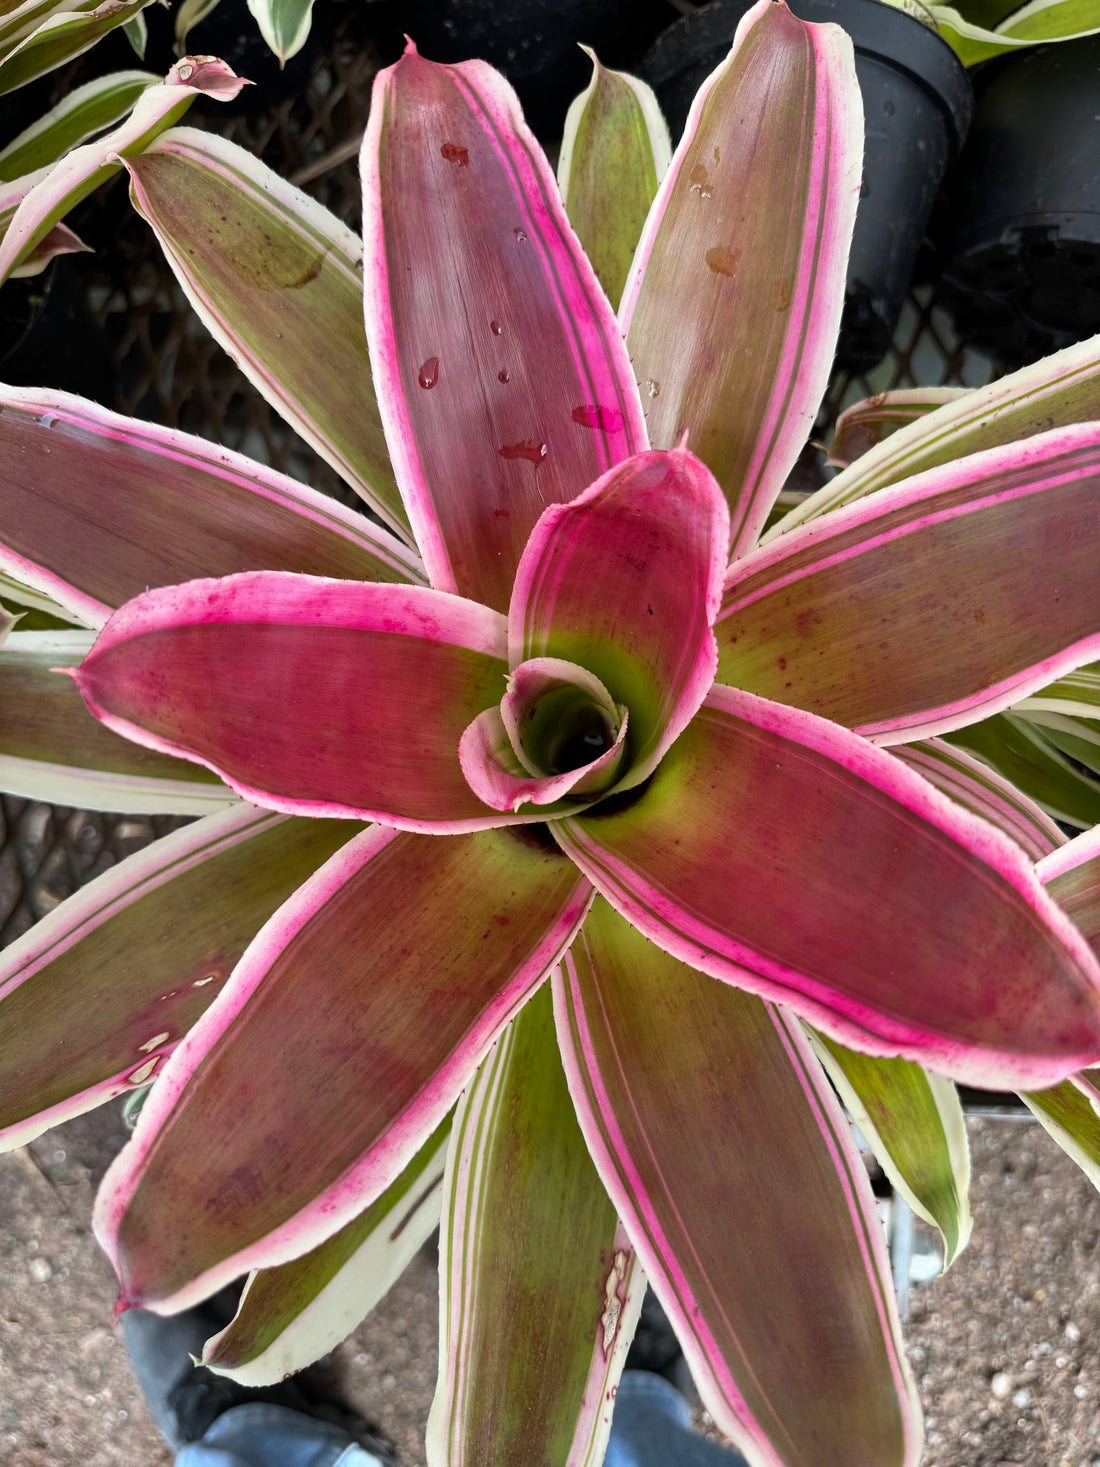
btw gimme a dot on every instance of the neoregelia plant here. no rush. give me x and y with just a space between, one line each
631 822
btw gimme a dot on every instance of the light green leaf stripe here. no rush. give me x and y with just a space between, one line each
614 152
292 1315
1016 749
51 748
1043 20
284 24
1066 1114
84 169
115 976
61 38
913 1122
8 621
1077 737
1060 389
22 595
540 1288
866 424
1077 694
91 108
277 281
981 790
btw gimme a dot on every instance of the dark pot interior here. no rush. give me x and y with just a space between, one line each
917 104
535 43
1021 229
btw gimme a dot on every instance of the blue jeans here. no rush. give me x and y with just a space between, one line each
651 1428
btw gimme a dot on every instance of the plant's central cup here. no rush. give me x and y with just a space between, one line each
557 735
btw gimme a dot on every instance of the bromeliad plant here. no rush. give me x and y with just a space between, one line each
632 824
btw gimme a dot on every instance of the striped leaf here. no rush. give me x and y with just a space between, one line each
292 1315
540 1287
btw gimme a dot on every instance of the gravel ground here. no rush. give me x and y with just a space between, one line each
1005 1348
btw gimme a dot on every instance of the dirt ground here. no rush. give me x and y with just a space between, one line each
1005 1348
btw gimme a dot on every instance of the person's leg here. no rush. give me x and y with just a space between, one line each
210 1421
651 1427
259 1435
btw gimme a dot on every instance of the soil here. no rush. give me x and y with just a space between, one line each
1005 1348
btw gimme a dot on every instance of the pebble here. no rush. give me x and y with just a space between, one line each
1022 1397
1001 1385
1072 1333
41 1269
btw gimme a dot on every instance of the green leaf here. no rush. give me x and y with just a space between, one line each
540 1287
99 991
277 280
51 748
79 116
59 38
284 24
292 1315
914 1124
1017 750
614 153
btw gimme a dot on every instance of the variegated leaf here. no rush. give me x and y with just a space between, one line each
51 748
98 993
1060 389
743 259
687 1092
540 1287
278 281
84 169
614 152
913 1122
292 1315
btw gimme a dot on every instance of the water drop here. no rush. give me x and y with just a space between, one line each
504 375
454 154
699 182
722 260
593 415
651 388
496 328
429 372
521 235
888 108
533 451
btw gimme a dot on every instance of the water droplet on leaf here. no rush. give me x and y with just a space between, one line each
722 260
521 235
592 415
429 372
504 375
454 154
651 388
529 449
496 328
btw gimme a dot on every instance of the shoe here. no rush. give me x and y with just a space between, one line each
185 1399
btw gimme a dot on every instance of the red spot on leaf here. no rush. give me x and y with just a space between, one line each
454 154
592 415
782 664
529 449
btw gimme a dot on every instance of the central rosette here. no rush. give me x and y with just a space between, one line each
612 607
557 734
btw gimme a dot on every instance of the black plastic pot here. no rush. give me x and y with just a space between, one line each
535 43
917 104
1021 231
